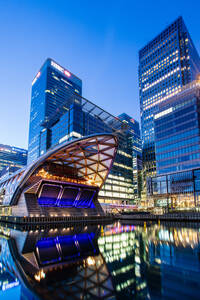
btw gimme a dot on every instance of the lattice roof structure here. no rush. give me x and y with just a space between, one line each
86 161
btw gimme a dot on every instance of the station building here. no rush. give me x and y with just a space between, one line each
62 184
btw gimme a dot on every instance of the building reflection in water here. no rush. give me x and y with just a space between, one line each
7 280
110 262
57 264
125 257
174 259
156 262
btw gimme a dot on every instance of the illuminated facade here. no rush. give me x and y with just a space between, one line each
52 87
136 152
11 159
167 63
177 143
61 184
177 137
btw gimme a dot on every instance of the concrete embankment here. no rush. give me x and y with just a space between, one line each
186 216
57 220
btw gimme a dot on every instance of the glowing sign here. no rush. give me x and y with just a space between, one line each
36 77
59 68
133 121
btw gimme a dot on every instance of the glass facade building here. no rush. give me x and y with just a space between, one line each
175 191
136 152
177 136
60 113
11 159
51 88
166 64
177 144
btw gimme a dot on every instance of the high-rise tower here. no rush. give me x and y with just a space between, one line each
52 87
167 63
136 152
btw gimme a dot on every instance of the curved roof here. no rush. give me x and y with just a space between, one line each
90 158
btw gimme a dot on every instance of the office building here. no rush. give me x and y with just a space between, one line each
177 137
52 87
136 152
77 117
177 144
11 159
167 63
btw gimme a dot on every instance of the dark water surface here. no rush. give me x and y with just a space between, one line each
101 262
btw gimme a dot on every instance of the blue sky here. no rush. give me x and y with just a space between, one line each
96 40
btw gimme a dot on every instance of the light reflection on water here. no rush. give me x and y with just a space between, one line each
101 262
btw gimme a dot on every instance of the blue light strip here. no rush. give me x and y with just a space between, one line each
86 202
46 201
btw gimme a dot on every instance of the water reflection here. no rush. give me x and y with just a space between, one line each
57 263
7 280
110 262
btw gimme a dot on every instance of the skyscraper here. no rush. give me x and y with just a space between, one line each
177 138
52 87
136 152
166 64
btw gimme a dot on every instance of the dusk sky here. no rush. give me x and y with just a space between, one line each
96 40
